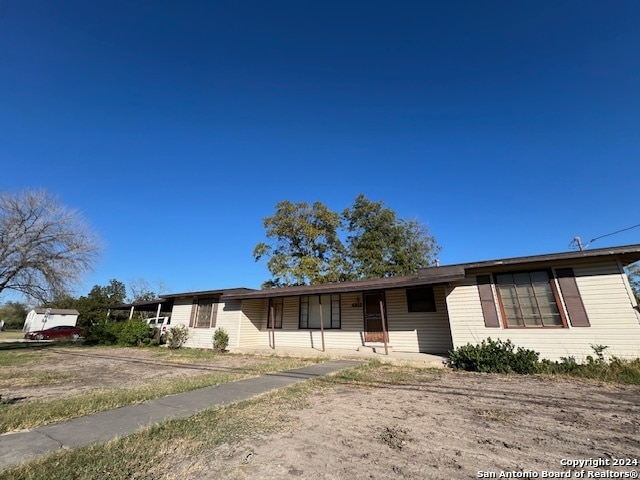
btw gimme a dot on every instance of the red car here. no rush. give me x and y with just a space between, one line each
54 333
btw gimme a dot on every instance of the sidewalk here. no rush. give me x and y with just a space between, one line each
19 447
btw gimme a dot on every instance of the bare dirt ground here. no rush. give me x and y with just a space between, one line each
63 372
437 425
449 426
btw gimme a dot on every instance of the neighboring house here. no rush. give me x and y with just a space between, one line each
41 318
557 304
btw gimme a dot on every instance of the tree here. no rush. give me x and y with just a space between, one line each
383 245
143 291
13 314
305 246
45 248
94 307
634 278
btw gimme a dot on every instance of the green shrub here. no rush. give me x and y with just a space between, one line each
565 365
102 334
176 336
135 333
614 370
220 340
492 356
502 357
130 333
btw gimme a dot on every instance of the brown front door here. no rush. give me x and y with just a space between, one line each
373 317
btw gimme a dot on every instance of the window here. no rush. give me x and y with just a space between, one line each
205 313
275 306
421 299
310 311
528 299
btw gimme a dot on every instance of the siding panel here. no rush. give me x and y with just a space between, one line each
602 288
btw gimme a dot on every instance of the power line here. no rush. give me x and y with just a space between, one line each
612 233
576 240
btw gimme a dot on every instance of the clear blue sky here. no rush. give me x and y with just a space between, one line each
506 127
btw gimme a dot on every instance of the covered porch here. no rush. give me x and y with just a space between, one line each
386 316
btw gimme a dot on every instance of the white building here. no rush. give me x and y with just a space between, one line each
41 318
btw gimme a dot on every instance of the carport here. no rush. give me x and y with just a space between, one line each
156 306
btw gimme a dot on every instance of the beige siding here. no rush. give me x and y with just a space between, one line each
228 317
252 320
409 332
614 322
418 331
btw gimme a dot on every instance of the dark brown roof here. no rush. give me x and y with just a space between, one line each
626 254
435 275
211 293
144 305
167 300
438 275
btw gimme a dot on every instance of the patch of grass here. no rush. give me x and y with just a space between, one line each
13 358
149 453
616 370
377 373
33 378
32 414
11 335
186 354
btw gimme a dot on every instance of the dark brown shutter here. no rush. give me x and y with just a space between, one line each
572 300
489 310
194 309
214 313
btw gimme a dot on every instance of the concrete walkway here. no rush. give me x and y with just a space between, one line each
19 447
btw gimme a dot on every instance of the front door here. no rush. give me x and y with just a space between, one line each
373 317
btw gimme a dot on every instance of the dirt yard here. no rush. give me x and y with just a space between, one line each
449 426
61 372
436 425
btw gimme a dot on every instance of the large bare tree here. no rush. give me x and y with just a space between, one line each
45 248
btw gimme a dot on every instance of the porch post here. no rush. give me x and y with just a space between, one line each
321 321
384 329
273 325
131 312
159 309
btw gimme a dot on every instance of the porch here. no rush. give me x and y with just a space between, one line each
424 360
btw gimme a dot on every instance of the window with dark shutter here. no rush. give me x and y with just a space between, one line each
572 299
204 313
489 311
194 308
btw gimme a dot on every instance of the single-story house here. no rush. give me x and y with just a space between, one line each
41 318
557 304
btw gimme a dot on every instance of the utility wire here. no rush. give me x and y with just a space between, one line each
609 234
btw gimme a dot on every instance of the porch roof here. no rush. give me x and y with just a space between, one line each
145 305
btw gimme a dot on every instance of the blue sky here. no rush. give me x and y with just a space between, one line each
506 127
